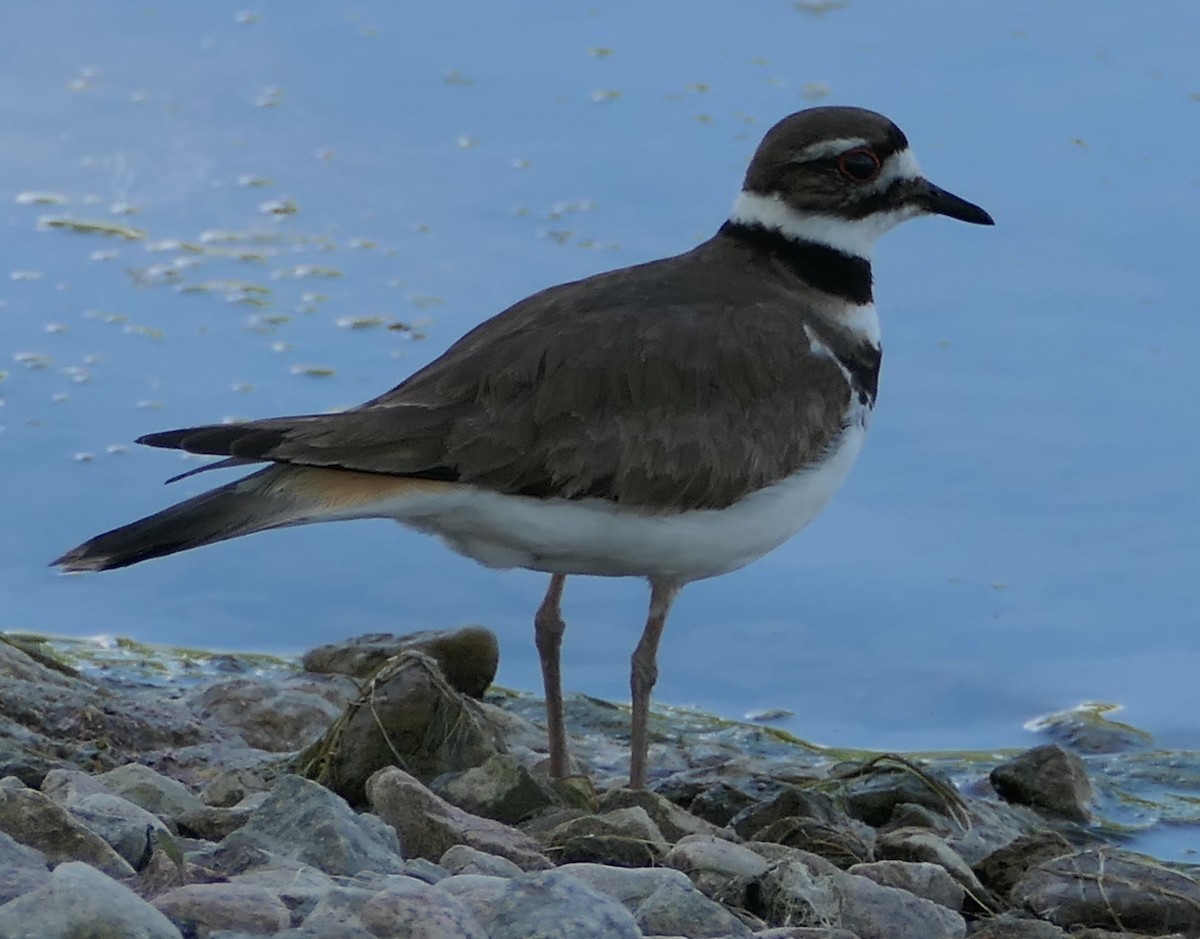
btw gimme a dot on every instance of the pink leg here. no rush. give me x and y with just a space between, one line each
548 632
644 674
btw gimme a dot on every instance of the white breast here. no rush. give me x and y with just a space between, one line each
592 536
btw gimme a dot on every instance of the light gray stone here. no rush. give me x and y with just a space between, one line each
463 859
412 909
678 910
918 844
152 791
78 902
716 866
671 820
197 908
31 818
67 786
279 716
22 868
300 890
500 788
920 878
122 824
629 886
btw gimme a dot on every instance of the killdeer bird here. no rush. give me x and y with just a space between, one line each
674 420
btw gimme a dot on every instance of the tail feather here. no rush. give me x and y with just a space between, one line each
239 508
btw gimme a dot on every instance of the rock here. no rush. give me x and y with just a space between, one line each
994 824
1048 779
410 909
429 825
31 818
874 796
720 869
125 826
1010 926
463 859
501 789
200 908
408 714
307 823
676 909
22 868
623 837
1111 889
804 932
213 824
843 841
719 803
300 890
917 844
152 791
80 901
920 878
629 886
468 657
278 716
228 787
1001 869
546 905
672 821
67 786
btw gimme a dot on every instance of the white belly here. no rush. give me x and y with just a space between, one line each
592 536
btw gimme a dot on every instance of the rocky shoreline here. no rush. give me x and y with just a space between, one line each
376 790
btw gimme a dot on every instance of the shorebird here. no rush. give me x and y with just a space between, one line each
674 420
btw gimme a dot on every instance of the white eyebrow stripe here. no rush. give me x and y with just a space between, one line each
828 148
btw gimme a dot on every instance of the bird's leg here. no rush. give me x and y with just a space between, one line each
548 632
644 674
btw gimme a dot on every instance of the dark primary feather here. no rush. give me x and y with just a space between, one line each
638 386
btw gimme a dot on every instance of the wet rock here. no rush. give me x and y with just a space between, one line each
463 859
1111 889
468 657
152 791
278 716
407 715
199 908
429 825
307 823
80 901
874 796
993 824
1001 869
32 819
548 905
1047 778
501 789
623 837
672 821
919 878
1010 926
676 909
409 908
125 826
22 868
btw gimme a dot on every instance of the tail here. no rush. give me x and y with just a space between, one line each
239 508
275 497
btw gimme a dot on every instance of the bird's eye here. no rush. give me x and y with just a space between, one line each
859 166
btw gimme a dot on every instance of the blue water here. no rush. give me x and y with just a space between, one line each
1022 530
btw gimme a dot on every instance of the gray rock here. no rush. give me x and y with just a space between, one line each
918 844
79 901
720 803
152 791
719 868
1010 926
300 890
411 909
501 789
919 878
874 796
410 715
673 821
676 909
546 905
429 825
31 818
125 826
1048 779
279 716
22 868
199 908
210 823
1001 869
306 822
804 932
468 657
338 907
629 886
623 837
67 786
463 859
1111 889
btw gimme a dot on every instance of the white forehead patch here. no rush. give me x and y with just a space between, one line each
900 165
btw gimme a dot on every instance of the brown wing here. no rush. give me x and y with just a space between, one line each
599 388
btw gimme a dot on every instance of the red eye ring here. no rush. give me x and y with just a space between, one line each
859 165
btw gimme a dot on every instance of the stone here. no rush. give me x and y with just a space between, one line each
676 909
1010 926
22 868
545 905
411 909
67 786
463 859
278 716
125 826
623 837
672 821
408 715
844 841
629 886
719 868
300 890
304 821
919 878
919 844
1001 869
429 825
200 908
874 795
1048 779
720 803
501 789
153 791
210 823
32 819
804 932
468 657
80 901
1111 889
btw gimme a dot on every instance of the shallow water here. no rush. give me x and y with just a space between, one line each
329 196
